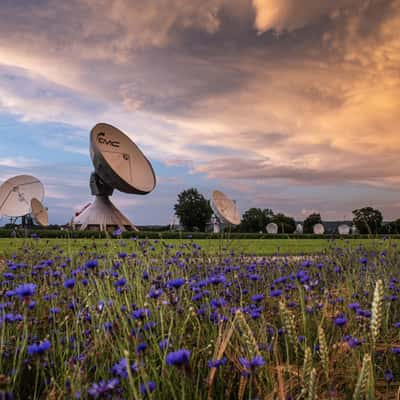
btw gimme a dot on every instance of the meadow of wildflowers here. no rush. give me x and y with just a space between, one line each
133 319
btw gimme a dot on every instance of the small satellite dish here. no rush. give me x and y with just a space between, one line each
272 228
319 229
299 228
343 229
118 164
16 194
225 211
39 212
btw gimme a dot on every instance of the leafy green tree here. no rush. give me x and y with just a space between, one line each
285 223
255 219
392 227
367 220
310 221
193 210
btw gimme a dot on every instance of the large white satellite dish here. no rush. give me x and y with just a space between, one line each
16 194
319 229
272 228
225 211
39 212
344 229
119 164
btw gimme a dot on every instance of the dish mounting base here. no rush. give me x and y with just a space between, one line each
102 215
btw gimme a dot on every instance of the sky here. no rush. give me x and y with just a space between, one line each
292 105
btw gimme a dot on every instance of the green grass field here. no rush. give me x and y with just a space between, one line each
247 246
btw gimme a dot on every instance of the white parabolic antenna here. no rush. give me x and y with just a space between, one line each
272 228
225 210
16 194
39 212
119 164
299 228
343 229
319 229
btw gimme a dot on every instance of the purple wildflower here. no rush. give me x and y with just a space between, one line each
178 358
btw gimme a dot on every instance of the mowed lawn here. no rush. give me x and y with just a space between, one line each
258 247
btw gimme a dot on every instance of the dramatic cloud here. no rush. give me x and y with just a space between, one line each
243 94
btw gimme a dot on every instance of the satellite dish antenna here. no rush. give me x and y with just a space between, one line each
39 212
343 229
16 195
319 229
118 164
225 211
299 228
272 228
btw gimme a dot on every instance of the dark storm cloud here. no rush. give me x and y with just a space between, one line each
304 91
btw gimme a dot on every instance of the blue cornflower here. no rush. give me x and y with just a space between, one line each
395 350
146 388
163 344
176 283
25 290
216 279
108 326
141 313
149 325
275 293
257 297
10 317
120 368
178 358
251 365
353 341
388 376
69 283
340 320
141 347
155 293
216 363
40 348
120 282
354 306
91 264
145 275
117 232
216 303
364 313
102 387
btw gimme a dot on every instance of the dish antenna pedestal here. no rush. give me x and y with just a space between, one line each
216 223
119 164
102 213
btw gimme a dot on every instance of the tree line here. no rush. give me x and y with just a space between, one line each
194 212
